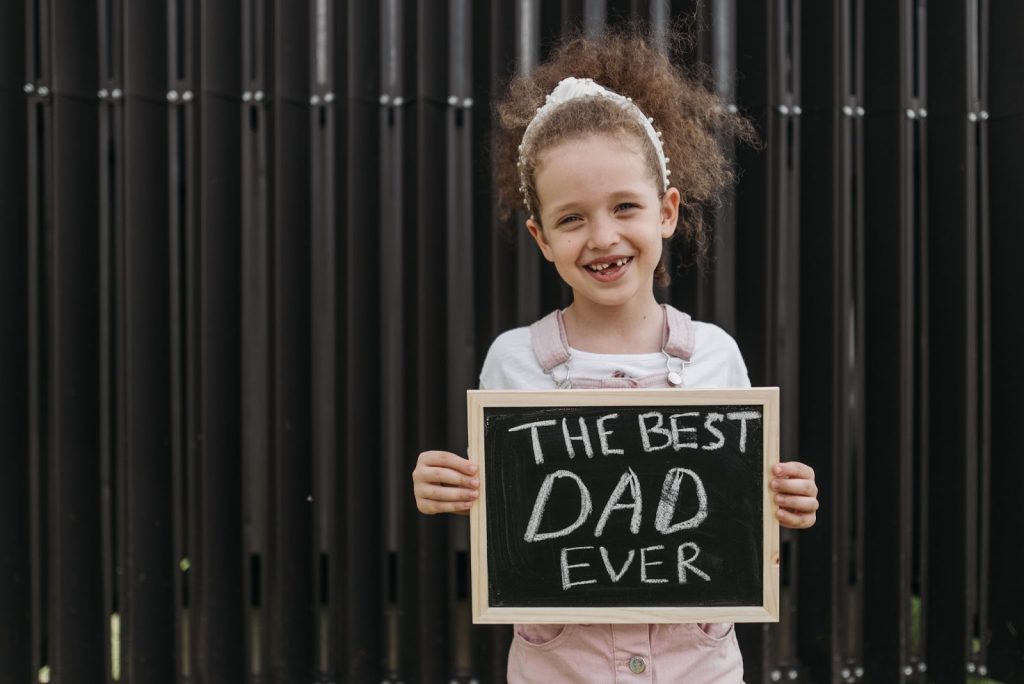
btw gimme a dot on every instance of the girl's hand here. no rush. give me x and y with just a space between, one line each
444 482
796 494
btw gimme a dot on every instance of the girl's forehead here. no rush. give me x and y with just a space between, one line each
592 162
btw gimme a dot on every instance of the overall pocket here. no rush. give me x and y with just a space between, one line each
542 636
715 632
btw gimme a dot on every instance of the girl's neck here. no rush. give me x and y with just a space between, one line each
615 330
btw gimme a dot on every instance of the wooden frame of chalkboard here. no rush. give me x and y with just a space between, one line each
624 506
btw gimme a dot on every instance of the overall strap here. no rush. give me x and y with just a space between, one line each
547 336
679 333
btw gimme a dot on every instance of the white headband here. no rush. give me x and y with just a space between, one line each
573 88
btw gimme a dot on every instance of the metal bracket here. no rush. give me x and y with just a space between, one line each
319 100
113 94
184 97
42 92
788 673
460 103
977 668
389 101
852 672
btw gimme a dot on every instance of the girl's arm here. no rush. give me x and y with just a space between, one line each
796 494
444 482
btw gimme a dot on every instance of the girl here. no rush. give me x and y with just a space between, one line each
610 148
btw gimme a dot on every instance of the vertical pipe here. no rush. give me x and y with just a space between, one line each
495 244
756 38
723 62
111 218
179 388
144 502
853 30
922 322
889 219
395 254
659 16
16 654
255 325
953 252
292 640
359 570
324 377
76 617
210 197
1005 131
781 641
459 289
433 557
40 188
984 369
595 17
178 327
828 318
692 286
784 310
528 263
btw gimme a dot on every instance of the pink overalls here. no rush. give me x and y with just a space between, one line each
624 654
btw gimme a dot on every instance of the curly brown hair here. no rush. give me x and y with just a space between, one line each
692 120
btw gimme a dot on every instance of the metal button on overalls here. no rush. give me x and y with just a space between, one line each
637 664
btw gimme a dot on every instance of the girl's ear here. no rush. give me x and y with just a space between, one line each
538 235
669 212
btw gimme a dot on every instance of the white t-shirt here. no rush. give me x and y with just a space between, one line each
716 363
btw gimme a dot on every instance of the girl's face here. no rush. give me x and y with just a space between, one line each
603 222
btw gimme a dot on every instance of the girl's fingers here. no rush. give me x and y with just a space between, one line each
797 494
793 469
801 504
432 499
438 493
444 482
797 521
461 507
795 486
446 459
445 476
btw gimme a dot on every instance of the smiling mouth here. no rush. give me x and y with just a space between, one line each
607 271
609 265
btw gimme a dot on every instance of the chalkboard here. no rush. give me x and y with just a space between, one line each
624 506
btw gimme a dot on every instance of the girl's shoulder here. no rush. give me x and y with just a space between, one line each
711 338
512 364
716 360
510 346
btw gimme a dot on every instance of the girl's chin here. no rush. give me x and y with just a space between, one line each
588 299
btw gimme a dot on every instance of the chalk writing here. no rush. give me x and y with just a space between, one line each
621 505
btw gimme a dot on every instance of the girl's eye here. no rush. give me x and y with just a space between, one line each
567 221
625 206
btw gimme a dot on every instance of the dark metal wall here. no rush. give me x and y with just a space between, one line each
249 264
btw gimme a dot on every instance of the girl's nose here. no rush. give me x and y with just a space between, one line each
603 233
